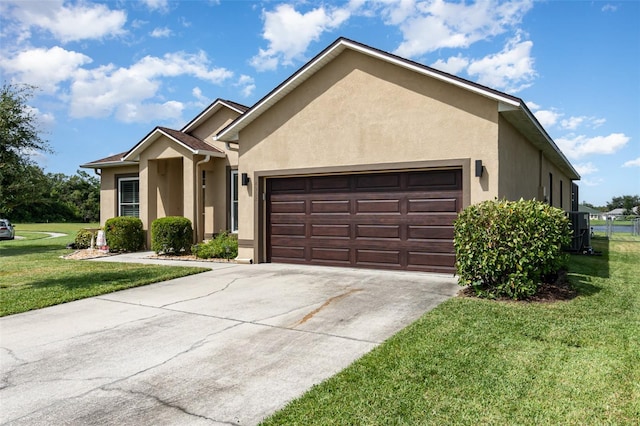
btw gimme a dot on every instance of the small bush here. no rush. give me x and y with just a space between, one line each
83 239
506 248
171 235
223 246
124 233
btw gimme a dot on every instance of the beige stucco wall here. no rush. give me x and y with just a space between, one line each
524 170
109 190
360 112
216 203
155 200
519 165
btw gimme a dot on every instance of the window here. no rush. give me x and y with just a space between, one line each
129 197
234 200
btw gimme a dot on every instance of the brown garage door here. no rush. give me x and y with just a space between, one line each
399 220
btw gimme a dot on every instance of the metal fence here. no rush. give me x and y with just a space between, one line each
610 227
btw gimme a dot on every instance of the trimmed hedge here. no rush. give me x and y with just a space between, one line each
506 248
171 235
83 239
124 233
223 246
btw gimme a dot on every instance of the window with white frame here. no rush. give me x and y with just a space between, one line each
234 200
129 196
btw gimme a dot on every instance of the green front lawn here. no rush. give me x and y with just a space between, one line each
475 362
33 276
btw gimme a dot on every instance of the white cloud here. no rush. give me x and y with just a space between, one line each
246 83
197 93
290 32
44 68
453 65
609 8
160 5
580 145
430 25
161 32
547 118
69 22
533 106
572 123
632 163
510 70
130 92
44 120
148 112
592 182
585 168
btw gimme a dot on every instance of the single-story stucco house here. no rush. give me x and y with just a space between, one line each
360 158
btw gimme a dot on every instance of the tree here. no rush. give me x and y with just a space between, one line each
626 202
19 137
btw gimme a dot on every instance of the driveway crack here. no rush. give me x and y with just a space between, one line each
203 296
168 404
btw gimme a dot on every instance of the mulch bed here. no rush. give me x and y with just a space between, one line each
86 254
556 291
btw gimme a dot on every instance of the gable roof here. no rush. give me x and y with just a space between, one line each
512 108
214 107
191 143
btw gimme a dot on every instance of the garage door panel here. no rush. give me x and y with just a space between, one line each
418 232
398 220
434 180
432 259
288 229
287 252
330 254
294 184
334 183
384 181
431 219
330 207
335 231
377 231
378 257
431 205
288 206
377 206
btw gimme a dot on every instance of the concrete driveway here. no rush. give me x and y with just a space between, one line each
230 346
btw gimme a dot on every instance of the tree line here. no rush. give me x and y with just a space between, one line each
626 202
27 193
33 196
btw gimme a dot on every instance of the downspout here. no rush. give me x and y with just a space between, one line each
200 214
98 172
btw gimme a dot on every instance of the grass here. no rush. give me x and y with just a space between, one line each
34 276
596 222
473 361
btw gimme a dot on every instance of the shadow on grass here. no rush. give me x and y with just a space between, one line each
34 247
584 268
87 280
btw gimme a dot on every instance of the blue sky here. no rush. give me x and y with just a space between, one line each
109 72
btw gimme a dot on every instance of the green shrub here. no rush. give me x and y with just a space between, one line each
171 235
223 246
506 248
124 233
83 239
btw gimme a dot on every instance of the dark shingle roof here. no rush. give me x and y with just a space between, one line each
110 160
188 140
